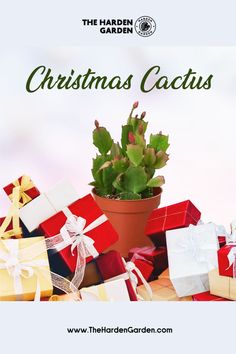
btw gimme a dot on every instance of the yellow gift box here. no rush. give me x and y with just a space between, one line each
24 269
162 290
222 286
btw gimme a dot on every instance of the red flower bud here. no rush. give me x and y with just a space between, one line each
96 124
143 115
131 138
135 105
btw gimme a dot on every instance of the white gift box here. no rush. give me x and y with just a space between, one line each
192 253
115 290
47 204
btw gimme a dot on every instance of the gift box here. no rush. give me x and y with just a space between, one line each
28 190
87 215
227 260
10 231
47 204
115 290
157 256
162 290
192 253
24 269
222 241
145 267
111 266
10 225
207 296
171 217
222 286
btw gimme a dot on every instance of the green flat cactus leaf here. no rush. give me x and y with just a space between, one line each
156 182
159 142
126 129
120 165
161 159
108 177
135 154
116 150
134 179
129 196
149 157
102 140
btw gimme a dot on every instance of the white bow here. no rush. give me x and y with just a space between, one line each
74 233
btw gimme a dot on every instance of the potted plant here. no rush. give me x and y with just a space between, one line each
125 187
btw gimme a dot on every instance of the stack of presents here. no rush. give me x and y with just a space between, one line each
55 246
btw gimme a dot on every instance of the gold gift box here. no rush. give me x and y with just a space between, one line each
222 286
41 274
162 290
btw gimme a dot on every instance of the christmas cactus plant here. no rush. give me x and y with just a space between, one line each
126 171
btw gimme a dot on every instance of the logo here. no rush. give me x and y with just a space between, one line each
145 26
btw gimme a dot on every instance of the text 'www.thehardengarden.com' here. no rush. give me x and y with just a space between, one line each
119 330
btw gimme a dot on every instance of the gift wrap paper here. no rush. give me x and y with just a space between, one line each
192 253
29 285
111 291
222 286
162 290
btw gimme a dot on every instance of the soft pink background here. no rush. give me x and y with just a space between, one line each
48 134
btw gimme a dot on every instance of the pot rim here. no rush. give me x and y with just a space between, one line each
129 200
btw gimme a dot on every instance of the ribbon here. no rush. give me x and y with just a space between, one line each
73 233
130 268
25 184
13 215
21 264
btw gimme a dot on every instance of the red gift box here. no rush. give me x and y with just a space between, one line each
222 241
145 267
28 190
103 235
110 266
171 217
157 256
206 296
226 266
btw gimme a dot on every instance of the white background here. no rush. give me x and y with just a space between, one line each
35 139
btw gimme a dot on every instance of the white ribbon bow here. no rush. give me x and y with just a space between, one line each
74 233
18 267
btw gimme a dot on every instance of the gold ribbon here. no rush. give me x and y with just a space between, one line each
25 185
13 215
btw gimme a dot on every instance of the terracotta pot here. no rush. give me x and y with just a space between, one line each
129 218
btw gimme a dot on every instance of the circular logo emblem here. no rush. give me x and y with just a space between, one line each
145 26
